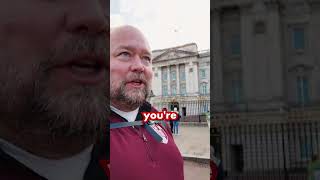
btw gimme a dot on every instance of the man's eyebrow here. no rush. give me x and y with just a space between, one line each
131 48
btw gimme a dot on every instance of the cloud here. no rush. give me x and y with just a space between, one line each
116 20
167 23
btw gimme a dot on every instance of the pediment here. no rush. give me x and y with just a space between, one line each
177 52
173 54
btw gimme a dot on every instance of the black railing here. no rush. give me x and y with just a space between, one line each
188 109
275 146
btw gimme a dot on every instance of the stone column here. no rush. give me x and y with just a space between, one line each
168 79
314 45
247 62
216 60
178 78
274 53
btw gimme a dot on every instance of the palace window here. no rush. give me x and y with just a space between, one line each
236 91
164 90
298 38
164 74
202 73
173 75
235 45
183 89
203 88
303 90
182 72
173 90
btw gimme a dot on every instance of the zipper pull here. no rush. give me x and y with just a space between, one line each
144 138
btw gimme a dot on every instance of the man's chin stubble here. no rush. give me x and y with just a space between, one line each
79 123
134 98
76 113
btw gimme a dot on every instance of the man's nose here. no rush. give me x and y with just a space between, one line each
88 16
137 64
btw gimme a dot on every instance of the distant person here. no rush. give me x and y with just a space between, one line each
176 124
136 151
171 126
207 114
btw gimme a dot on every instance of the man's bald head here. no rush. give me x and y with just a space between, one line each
125 28
130 67
127 32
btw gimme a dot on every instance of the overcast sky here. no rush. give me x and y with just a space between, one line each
166 23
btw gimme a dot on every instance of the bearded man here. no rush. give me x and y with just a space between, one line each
53 96
136 152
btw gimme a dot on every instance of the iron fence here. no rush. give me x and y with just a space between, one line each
191 108
267 146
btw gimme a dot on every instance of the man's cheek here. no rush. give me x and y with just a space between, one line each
149 80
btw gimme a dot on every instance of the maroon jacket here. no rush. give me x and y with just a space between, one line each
133 157
11 169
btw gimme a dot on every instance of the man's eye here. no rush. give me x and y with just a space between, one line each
126 54
146 58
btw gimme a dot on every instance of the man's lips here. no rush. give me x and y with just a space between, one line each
85 70
136 83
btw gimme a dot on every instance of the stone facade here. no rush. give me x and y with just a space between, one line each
267 65
266 68
181 79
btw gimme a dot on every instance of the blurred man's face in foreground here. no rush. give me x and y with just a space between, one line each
53 66
130 67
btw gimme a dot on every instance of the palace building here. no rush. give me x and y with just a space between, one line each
181 79
266 92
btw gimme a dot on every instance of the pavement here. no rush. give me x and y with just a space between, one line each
193 141
196 171
194 144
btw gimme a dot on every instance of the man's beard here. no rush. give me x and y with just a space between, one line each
131 97
79 111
